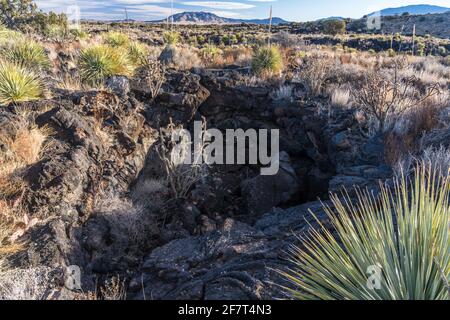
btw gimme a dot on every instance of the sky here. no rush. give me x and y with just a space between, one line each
291 10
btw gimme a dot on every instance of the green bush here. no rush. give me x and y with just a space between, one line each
267 60
116 39
334 27
402 235
99 62
171 37
18 84
27 53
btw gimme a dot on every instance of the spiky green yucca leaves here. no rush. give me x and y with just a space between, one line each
267 60
404 233
171 37
18 84
99 62
27 53
138 53
116 39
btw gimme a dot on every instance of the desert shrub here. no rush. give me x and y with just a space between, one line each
99 62
171 37
27 53
314 73
138 53
79 34
210 53
267 60
402 236
384 96
188 58
181 177
7 35
116 39
56 31
334 26
391 53
18 84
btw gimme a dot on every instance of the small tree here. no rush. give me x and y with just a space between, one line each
335 27
16 12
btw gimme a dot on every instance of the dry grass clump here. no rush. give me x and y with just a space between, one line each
17 153
187 58
340 97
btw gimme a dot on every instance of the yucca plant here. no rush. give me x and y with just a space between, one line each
99 62
116 39
267 60
27 53
138 53
18 84
171 37
403 233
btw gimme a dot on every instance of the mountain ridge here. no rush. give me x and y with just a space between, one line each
211 18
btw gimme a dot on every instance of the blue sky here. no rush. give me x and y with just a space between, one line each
292 10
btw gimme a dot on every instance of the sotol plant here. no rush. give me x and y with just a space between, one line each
138 53
28 54
116 39
404 233
171 37
267 60
99 62
18 84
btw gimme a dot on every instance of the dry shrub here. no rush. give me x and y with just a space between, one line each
20 150
113 289
407 130
385 97
188 58
340 97
181 176
315 72
241 56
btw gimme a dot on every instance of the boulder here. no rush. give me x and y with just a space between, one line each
120 85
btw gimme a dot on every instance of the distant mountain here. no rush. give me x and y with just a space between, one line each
211 18
330 18
413 10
